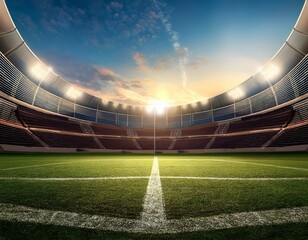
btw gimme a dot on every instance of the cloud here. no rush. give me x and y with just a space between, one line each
182 53
197 62
107 84
106 74
115 5
141 62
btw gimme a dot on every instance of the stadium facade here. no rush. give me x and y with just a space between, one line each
40 110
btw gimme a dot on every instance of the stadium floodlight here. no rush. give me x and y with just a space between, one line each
73 93
236 93
156 107
270 72
40 71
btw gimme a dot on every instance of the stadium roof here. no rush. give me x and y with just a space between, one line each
17 51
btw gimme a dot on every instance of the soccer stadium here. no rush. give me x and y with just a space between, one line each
76 166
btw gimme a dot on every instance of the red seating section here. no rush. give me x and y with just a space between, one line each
34 128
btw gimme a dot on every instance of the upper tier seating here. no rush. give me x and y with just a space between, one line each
275 119
199 143
66 141
7 112
243 141
102 129
213 136
35 119
118 143
207 129
148 144
150 132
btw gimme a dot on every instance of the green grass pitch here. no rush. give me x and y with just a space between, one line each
22 183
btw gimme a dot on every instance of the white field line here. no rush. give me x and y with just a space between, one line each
262 164
235 179
61 163
73 179
246 162
244 219
153 215
9 212
146 177
37 165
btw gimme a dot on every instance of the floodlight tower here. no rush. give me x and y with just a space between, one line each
155 108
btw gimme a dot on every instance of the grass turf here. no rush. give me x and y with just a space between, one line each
116 198
235 165
79 165
28 231
183 197
198 198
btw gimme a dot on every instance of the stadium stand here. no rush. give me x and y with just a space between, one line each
269 112
118 144
66 141
149 132
104 129
16 136
7 112
200 130
275 119
292 136
301 112
243 141
185 144
161 143
34 119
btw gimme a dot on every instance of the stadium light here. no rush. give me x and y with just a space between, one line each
156 107
40 71
270 72
236 93
73 93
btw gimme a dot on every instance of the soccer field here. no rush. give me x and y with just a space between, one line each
110 196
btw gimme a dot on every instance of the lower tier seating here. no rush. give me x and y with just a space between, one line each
199 143
118 144
16 136
292 136
148 144
66 141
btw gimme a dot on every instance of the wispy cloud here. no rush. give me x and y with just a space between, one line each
141 62
181 52
107 84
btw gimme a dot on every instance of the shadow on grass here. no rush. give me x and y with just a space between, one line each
28 231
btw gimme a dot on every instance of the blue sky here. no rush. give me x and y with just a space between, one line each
133 51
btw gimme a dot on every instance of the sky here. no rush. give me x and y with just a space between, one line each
174 51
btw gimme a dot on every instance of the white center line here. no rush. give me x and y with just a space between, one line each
153 215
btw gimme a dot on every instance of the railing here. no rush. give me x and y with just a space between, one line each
13 83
